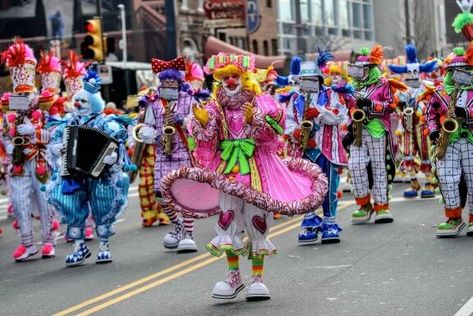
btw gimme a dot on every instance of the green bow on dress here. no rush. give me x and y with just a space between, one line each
237 150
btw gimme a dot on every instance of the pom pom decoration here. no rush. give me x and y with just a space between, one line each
295 67
463 22
365 51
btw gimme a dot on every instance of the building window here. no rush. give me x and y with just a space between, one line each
274 46
269 3
265 48
254 45
316 12
287 10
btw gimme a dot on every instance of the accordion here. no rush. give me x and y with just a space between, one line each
84 149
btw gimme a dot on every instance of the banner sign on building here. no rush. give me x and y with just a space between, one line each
253 18
226 13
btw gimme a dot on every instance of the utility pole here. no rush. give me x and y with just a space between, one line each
408 22
299 31
123 41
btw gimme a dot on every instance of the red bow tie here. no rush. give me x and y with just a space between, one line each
158 65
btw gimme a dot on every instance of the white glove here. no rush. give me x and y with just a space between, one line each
25 129
148 134
9 148
55 149
110 159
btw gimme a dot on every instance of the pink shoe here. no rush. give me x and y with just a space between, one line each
89 233
229 288
48 250
22 253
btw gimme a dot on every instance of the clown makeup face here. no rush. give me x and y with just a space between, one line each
169 90
360 73
337 79
231 83
82 104
412 79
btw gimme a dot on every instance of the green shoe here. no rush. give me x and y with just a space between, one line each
384 216
451 228
362 215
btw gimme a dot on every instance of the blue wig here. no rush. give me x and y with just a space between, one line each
411 57
411 54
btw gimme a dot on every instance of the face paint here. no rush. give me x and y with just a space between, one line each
232 84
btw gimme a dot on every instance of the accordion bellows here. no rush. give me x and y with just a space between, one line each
85 149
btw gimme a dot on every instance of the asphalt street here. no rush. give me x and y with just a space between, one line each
384 269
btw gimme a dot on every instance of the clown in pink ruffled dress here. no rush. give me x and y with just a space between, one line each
236 140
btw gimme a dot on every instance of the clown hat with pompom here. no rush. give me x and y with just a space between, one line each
21 62
461 58
370 58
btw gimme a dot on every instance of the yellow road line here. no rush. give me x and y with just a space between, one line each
294 222
150 277
169 278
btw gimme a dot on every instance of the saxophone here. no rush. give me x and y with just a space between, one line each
358 116
306 125
449 126
168 129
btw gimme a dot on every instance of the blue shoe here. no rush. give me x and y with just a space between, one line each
427 194
411 193
78 256
104 255
330 231
308 236
311 221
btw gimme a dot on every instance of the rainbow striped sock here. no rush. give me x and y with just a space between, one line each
232 260
257 266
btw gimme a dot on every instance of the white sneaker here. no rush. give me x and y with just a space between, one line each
229 288
172 239
187 244
257 290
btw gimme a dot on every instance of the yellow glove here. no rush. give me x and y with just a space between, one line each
201 115
248 111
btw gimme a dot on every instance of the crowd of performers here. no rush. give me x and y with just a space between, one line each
258 145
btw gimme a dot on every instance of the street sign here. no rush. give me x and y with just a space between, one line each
253 18
105 73
221 12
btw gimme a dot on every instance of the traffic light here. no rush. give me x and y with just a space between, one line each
92 46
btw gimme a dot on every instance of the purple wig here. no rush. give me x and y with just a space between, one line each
173 74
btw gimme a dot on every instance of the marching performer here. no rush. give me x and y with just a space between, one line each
74 194
450 124
165 126
144 157
314 118
240 173
25 140
413 140
369 139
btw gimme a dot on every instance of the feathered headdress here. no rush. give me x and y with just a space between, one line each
194 72
21 62
48 63
74 68
324 57
49 67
